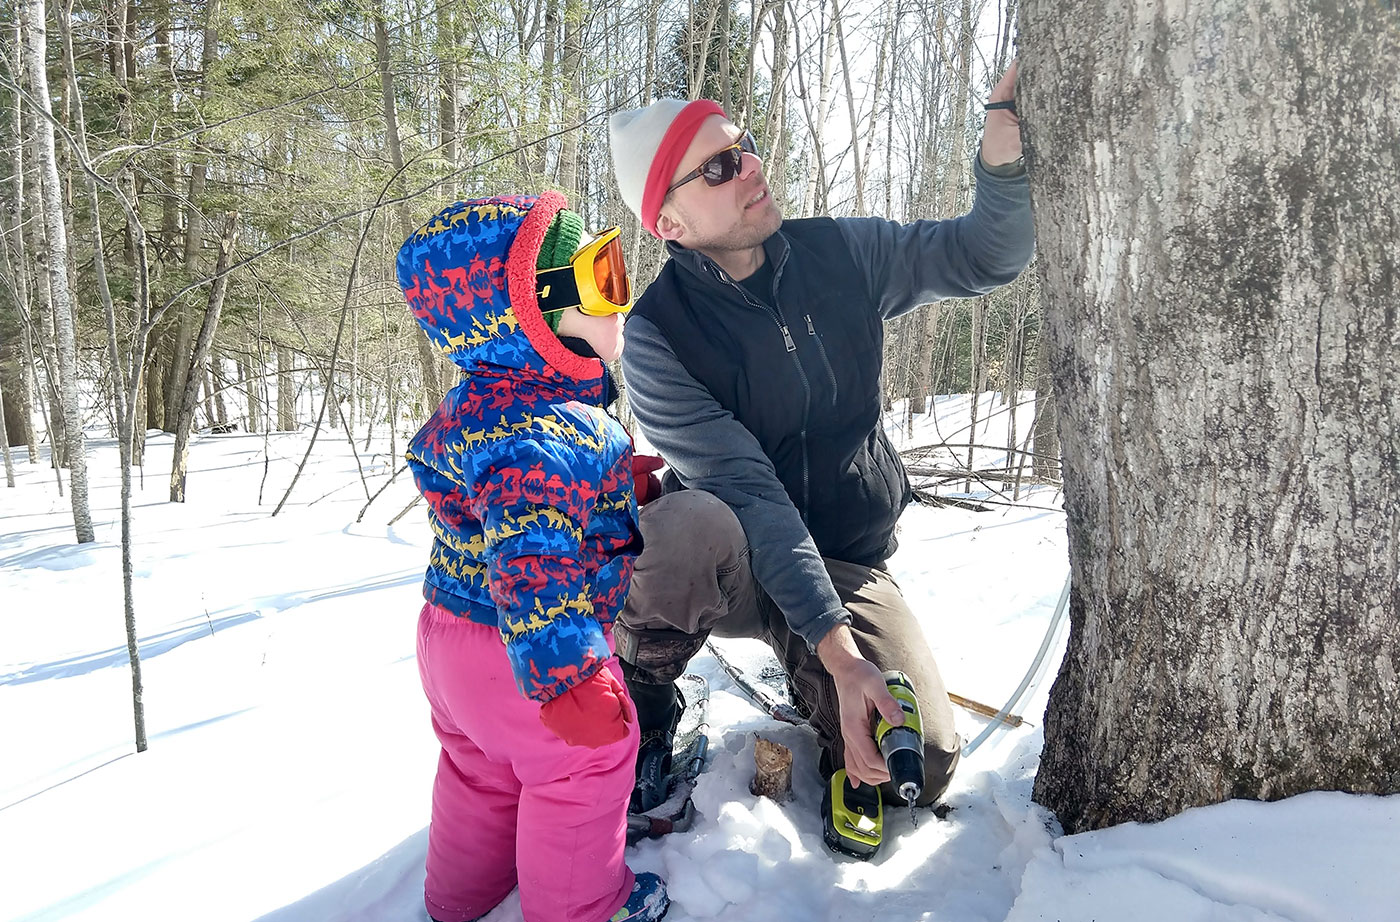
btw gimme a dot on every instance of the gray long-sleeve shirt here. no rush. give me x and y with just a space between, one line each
905 265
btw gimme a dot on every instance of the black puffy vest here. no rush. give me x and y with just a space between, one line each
803 377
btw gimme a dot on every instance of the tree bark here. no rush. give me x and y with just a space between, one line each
813 197
1221 310
1045 438
17 253
250 391
571 110
858 173
189 400
286 391
41 322
155 390
5 444
199 163
427 357
775 129
57 264
447 90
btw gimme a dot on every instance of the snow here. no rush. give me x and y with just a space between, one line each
291 758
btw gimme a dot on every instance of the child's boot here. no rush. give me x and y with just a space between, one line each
648 901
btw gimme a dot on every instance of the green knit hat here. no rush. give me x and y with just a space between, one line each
560 242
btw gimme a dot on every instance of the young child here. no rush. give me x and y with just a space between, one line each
530 494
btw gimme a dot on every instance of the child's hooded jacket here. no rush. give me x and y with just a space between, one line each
528 479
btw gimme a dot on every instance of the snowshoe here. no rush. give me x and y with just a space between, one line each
667 765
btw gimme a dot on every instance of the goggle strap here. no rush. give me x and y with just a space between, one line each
556 289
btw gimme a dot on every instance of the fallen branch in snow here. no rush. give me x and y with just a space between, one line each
986 710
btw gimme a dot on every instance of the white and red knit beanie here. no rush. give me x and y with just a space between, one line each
647 147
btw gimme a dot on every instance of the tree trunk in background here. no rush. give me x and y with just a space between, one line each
155 390
814 196
228 239
21 393
976 376
163 76
286 391
550 61
1046 438
427 357
955 179
251 394
1222 313
352 392
726 98
859 171
924 332
447 91
216 380
652 28
57 264
199 163
5 443
775 130
41 325
571 111
178 365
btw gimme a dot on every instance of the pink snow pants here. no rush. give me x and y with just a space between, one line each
513 803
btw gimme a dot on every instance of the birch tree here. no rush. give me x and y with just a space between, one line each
55 261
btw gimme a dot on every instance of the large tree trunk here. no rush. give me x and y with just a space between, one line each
57 263
190 398
1222 310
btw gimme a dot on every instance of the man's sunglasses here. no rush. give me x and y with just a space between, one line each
595 280
721 167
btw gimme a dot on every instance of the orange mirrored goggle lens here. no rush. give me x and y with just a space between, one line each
610 273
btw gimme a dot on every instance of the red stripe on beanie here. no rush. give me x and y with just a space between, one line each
668 156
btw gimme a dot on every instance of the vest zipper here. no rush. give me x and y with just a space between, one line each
801 373
821 350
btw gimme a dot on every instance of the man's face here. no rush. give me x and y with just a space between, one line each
736 215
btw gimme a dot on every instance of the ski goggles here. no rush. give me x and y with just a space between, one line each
721 167
595 280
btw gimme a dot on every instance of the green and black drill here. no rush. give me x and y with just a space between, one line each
854 818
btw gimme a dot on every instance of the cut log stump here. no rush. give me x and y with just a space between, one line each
772 770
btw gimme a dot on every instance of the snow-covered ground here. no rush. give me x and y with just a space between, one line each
291 758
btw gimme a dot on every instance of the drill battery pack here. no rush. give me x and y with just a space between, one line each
853 819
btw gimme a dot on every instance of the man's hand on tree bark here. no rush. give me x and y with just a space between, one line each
1001 137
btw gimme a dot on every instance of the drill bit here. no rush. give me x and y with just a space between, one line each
913 814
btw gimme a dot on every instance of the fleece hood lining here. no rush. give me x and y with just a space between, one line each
520 279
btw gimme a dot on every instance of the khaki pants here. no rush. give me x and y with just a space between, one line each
693 579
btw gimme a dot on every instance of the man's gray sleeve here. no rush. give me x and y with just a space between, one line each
911 264
712 451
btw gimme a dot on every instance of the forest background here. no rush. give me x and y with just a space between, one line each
231 181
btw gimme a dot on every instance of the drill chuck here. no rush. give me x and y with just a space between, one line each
903 746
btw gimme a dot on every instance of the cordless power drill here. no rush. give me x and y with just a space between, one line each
853 818
903 746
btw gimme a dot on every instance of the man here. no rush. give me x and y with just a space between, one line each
753 365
